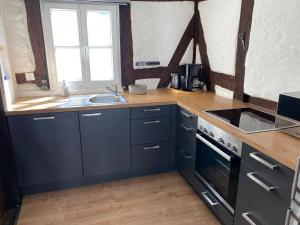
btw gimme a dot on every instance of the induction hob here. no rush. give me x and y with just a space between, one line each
251 120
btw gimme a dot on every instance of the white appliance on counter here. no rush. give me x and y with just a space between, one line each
293 214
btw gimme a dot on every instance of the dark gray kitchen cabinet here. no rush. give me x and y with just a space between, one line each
264 189
105 138
186 143
46 148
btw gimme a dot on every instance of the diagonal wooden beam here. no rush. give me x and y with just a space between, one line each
242 47
179 52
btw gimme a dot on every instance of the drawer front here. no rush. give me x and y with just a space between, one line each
246 216
186 138
216 207
150 112
150 156
260 194
151 130
272 170
186 165
184 116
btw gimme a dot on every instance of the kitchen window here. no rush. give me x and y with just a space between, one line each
82 42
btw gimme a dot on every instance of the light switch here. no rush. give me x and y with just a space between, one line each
29 76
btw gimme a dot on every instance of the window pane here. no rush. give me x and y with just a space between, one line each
65 27
99 28
68 64
101 64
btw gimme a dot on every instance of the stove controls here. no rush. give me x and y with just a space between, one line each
211 134
228 145
201 128
205 130
234 148
221 140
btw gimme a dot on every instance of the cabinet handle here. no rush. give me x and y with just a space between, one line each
151 122
91 114
152 147
259 182
182 152
186 114
248 219
44 118
208 200
289 216
186 128
255 155
152 110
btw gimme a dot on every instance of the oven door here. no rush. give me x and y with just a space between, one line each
218 169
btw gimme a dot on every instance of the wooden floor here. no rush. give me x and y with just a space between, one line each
163 199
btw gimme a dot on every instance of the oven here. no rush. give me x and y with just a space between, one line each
217 166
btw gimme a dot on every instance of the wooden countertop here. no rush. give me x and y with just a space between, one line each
278 145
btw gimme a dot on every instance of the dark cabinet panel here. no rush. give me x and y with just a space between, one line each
150 130
46 147
150 155
268 201
186 144
105 136
150 112
270 169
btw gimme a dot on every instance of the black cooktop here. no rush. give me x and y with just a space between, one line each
251 120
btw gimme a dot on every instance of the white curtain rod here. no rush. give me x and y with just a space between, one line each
119 2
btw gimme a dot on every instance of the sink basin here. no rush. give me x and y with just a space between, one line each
106 99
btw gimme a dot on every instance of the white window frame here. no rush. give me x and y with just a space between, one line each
82 9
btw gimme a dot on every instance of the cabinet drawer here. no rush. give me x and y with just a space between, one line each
150 156
253 192
244 216
184 116
272 170
150 112
186 138
151 130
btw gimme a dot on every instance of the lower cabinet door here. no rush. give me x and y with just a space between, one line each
46 148
105 138
245 216
150 156
267 200
186 165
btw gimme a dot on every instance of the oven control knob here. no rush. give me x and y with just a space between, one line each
201 127
211 134
234 148
228 145
221 140
204 130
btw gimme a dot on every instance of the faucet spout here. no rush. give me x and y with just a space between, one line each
114 90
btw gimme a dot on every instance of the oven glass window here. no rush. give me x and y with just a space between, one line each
220 173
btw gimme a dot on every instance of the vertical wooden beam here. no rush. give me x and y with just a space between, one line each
242 47
35 29
196 30
128 76
203 51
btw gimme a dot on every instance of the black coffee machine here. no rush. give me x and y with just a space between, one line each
192 79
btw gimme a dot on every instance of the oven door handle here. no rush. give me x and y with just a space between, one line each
213 147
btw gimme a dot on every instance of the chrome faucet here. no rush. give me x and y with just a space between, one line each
114 89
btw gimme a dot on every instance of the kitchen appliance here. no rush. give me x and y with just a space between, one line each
218 159
251 120
193 79
176 81
293 214
289 106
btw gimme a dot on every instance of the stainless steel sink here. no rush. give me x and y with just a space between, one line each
107 99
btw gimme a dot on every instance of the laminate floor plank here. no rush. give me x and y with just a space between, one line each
163 199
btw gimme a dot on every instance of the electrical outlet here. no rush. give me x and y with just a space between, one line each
29 76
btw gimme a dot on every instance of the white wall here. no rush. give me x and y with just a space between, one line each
220 20
157 28
273 59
